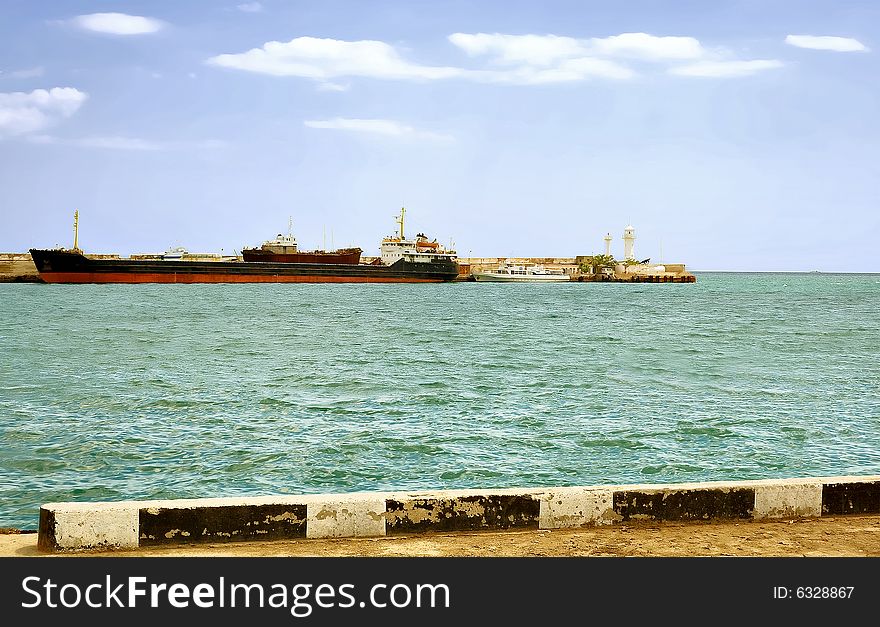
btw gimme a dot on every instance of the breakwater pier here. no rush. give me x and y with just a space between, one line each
583 268
135 524
18 268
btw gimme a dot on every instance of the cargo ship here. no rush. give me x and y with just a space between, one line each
401 261
284 249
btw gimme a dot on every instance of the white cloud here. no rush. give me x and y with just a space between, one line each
250 7
648 47
511 59
540 50
23 113
323 59
118 23
26 73
536 59
388 128
837 44
726 69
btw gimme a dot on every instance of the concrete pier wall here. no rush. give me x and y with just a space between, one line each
129 524
18 267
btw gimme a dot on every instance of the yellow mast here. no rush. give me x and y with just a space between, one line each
400 221
76 230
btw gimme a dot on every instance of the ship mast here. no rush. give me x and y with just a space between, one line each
400 221
76 230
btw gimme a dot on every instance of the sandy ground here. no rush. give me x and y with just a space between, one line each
839 536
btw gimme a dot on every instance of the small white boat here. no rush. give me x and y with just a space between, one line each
535 273
175 254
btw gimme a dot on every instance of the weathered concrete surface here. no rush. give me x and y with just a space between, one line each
462 513
160 525
564 508
72 526
351 517
701 504
797 500
174 522
848 497
18 267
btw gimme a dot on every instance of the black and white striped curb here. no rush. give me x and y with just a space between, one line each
130 524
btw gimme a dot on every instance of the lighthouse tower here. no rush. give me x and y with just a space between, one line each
608 239
629 238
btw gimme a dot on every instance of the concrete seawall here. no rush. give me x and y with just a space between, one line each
132 524
18 268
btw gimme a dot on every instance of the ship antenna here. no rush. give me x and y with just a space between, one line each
289 225
76 230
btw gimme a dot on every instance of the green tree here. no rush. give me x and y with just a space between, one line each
597 263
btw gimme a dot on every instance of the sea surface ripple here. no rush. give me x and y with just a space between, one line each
114 392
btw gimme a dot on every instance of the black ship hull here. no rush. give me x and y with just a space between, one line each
66 266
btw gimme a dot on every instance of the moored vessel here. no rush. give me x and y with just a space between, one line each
404 264
284 249
510 273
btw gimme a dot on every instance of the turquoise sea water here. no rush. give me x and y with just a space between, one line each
118 392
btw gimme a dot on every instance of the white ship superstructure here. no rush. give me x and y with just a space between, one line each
418 250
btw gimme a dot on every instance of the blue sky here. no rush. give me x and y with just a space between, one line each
734 135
